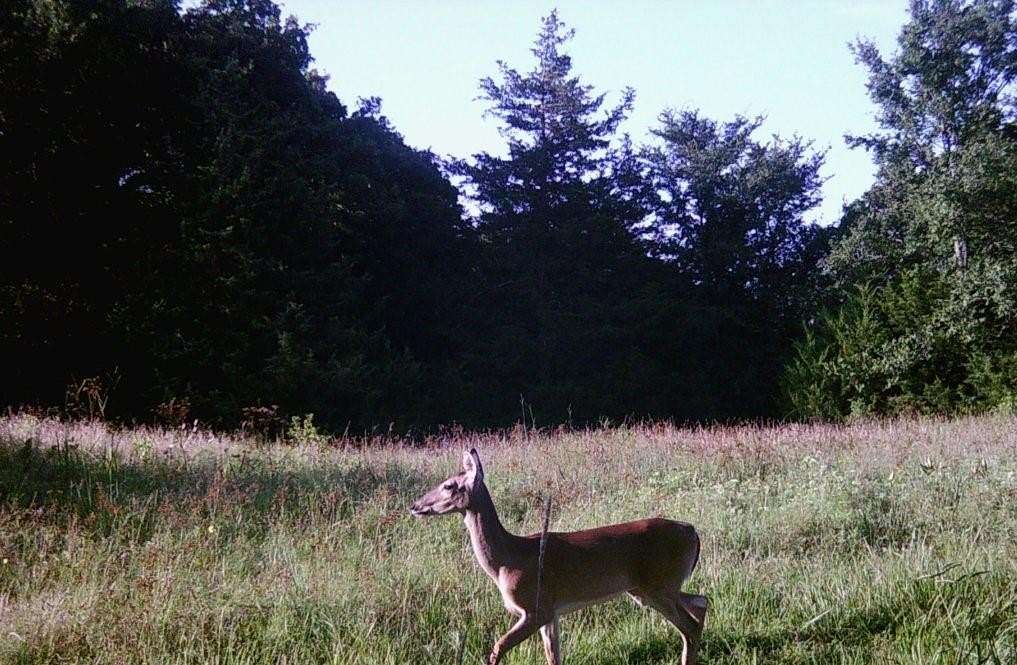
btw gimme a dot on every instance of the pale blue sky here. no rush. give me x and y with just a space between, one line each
785 59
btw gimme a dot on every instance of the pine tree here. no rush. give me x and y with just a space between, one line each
557 143
731 222
557 213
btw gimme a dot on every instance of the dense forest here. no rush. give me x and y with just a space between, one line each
193 225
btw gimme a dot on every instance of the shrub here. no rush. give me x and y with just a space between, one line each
303 432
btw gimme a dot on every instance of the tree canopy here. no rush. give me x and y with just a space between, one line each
925 259
194 225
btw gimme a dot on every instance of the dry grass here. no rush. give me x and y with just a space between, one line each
873 543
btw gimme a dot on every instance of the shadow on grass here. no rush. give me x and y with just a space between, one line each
61 483
854 632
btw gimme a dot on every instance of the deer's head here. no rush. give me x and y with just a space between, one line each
454 494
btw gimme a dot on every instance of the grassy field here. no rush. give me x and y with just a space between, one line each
873 543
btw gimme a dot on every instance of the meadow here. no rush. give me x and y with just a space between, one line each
875 542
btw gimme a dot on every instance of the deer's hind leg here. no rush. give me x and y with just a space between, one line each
686 612
696 606
552 649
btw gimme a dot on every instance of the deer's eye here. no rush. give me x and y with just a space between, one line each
450 487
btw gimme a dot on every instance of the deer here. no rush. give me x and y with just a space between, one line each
648 559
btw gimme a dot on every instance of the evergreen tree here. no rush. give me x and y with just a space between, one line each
730 220
565 273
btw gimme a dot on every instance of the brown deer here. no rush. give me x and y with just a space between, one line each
648 559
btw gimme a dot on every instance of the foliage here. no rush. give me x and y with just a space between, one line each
185 205
564 276
730 220
196 212
935 238
881 352
906 347
608 300
303 432
195 209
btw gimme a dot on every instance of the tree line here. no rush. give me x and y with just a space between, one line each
192 223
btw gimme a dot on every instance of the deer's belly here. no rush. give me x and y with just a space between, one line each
563 593
572 606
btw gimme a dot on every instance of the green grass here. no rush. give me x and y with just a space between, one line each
874 543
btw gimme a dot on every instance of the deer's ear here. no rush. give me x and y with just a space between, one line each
471 465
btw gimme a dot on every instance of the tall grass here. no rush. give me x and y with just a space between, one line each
882 542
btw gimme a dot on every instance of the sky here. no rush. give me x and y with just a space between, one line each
787 60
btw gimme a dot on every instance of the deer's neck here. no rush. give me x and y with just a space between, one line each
491 542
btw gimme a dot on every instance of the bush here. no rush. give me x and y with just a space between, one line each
303 432
922 344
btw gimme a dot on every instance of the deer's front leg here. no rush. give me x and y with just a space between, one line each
516 634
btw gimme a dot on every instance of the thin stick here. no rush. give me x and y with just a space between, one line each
462 649
522 408
540 558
